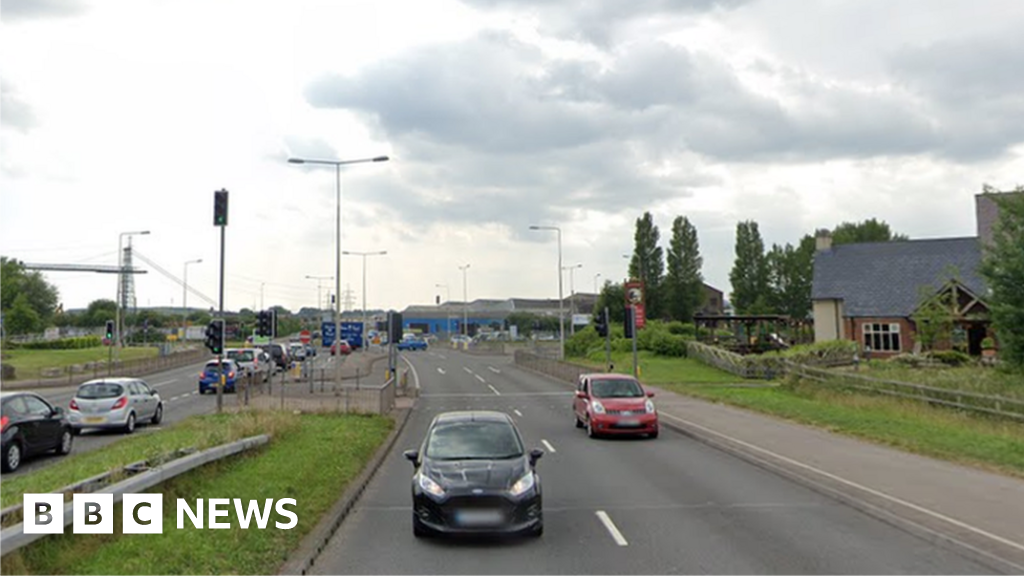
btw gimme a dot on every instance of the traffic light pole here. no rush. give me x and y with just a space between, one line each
632 322
607 339
220 356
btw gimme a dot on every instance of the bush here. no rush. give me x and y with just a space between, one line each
950 357
681 329
64 343
581 343
988 343
668 344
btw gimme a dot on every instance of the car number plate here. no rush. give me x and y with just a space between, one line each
478 517
94 419
629 422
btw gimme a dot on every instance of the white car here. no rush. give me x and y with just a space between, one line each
114 403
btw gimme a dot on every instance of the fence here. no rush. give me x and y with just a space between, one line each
951 398
552 367
79 373
318 391
757 367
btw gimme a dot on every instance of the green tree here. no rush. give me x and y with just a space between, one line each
1003 268
22 318
684 284
867 231
97 313
751 292
790 271
612 296
934 318
648 264
40 295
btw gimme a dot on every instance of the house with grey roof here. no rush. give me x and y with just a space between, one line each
871 292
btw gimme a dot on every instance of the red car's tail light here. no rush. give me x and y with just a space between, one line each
73 405
121 403
231 374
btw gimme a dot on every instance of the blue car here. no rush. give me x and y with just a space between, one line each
210 375
412 344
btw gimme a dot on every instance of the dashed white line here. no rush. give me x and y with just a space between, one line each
164 383
468 371
194 392
548 446
493 389
610 526
441 370
442 356
480 378
493 369
518 413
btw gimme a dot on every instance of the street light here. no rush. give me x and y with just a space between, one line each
465 302
319 298
561 304
337 245
120 283
184 298
364 255
572 297
596 276
448 304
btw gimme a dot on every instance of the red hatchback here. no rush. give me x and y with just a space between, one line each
346 348
614 404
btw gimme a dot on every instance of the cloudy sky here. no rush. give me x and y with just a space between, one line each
126 115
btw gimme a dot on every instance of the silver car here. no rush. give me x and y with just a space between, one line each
252 361
114 403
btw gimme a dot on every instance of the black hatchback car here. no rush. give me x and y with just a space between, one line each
473 476
30 426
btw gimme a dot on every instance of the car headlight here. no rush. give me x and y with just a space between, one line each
429 486
597 407
523 485
649 406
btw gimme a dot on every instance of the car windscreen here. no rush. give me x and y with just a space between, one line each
241 355
99 391
473 440
212 366
615 389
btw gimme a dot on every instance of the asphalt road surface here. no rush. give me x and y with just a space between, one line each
617 506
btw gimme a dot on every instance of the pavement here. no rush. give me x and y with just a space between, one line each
678 504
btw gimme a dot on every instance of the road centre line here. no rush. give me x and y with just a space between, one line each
493 369
164 383
468 371
610 526
518 413
494 389
478 377
472 394
441 371
442 356
854 485
548 446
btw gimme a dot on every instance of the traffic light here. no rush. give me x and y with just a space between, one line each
601 324
215 336
220 208
263 324
110 330
630 322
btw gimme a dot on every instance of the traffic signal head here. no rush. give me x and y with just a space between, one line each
630 324
263 324
110 330
220 208
601 325
215 336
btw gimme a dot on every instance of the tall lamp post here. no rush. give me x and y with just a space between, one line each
465 302
120 283
596 276
337 244
572 297
364 255
319 295
561 303
448 304
184 299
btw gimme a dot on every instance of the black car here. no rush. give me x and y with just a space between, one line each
474 476
279 354
30 426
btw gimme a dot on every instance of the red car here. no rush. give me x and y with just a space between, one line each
614 404
346 348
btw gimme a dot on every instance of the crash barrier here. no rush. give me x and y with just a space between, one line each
320 393
558 369
79 373
15 537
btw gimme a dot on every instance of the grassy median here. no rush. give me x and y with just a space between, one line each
28 363
312 458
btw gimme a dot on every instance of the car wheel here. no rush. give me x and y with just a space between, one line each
158 415
419 530
129 426
590 429
76 431
66 440
12 457
576 417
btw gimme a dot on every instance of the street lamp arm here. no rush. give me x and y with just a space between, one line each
337 162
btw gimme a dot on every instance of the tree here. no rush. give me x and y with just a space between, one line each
647 263
867 231
613 296
749 275
935 317
1003 268
684 284
97 313
790 272
40 295
22 318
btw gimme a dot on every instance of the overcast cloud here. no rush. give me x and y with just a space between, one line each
497 114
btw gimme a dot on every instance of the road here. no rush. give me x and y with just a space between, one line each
617 506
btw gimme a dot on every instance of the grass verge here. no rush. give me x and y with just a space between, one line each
977 379
988 443
660 370
28 363
312 460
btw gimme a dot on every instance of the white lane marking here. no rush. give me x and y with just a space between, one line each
493 369
164 383
473 394
442 356
548 446
468 371
441 370
610 526
195 392
478 377
855 485
518 413
493 389
415 375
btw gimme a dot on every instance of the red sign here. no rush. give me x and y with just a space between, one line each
635 297
641 315
305 336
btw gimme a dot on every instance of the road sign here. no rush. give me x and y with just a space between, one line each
327 333
305 336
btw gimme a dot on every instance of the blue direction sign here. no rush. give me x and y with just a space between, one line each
327 333
353 332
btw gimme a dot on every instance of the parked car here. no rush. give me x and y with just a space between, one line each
341 346
310 350
252 361
412 344
297 351
210 376
30 425
279 353
614 404
473 475
118 403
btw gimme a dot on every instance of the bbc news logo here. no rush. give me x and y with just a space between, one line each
143 513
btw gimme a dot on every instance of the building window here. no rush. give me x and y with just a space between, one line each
882 337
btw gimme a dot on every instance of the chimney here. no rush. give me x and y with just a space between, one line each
987 213
823 241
